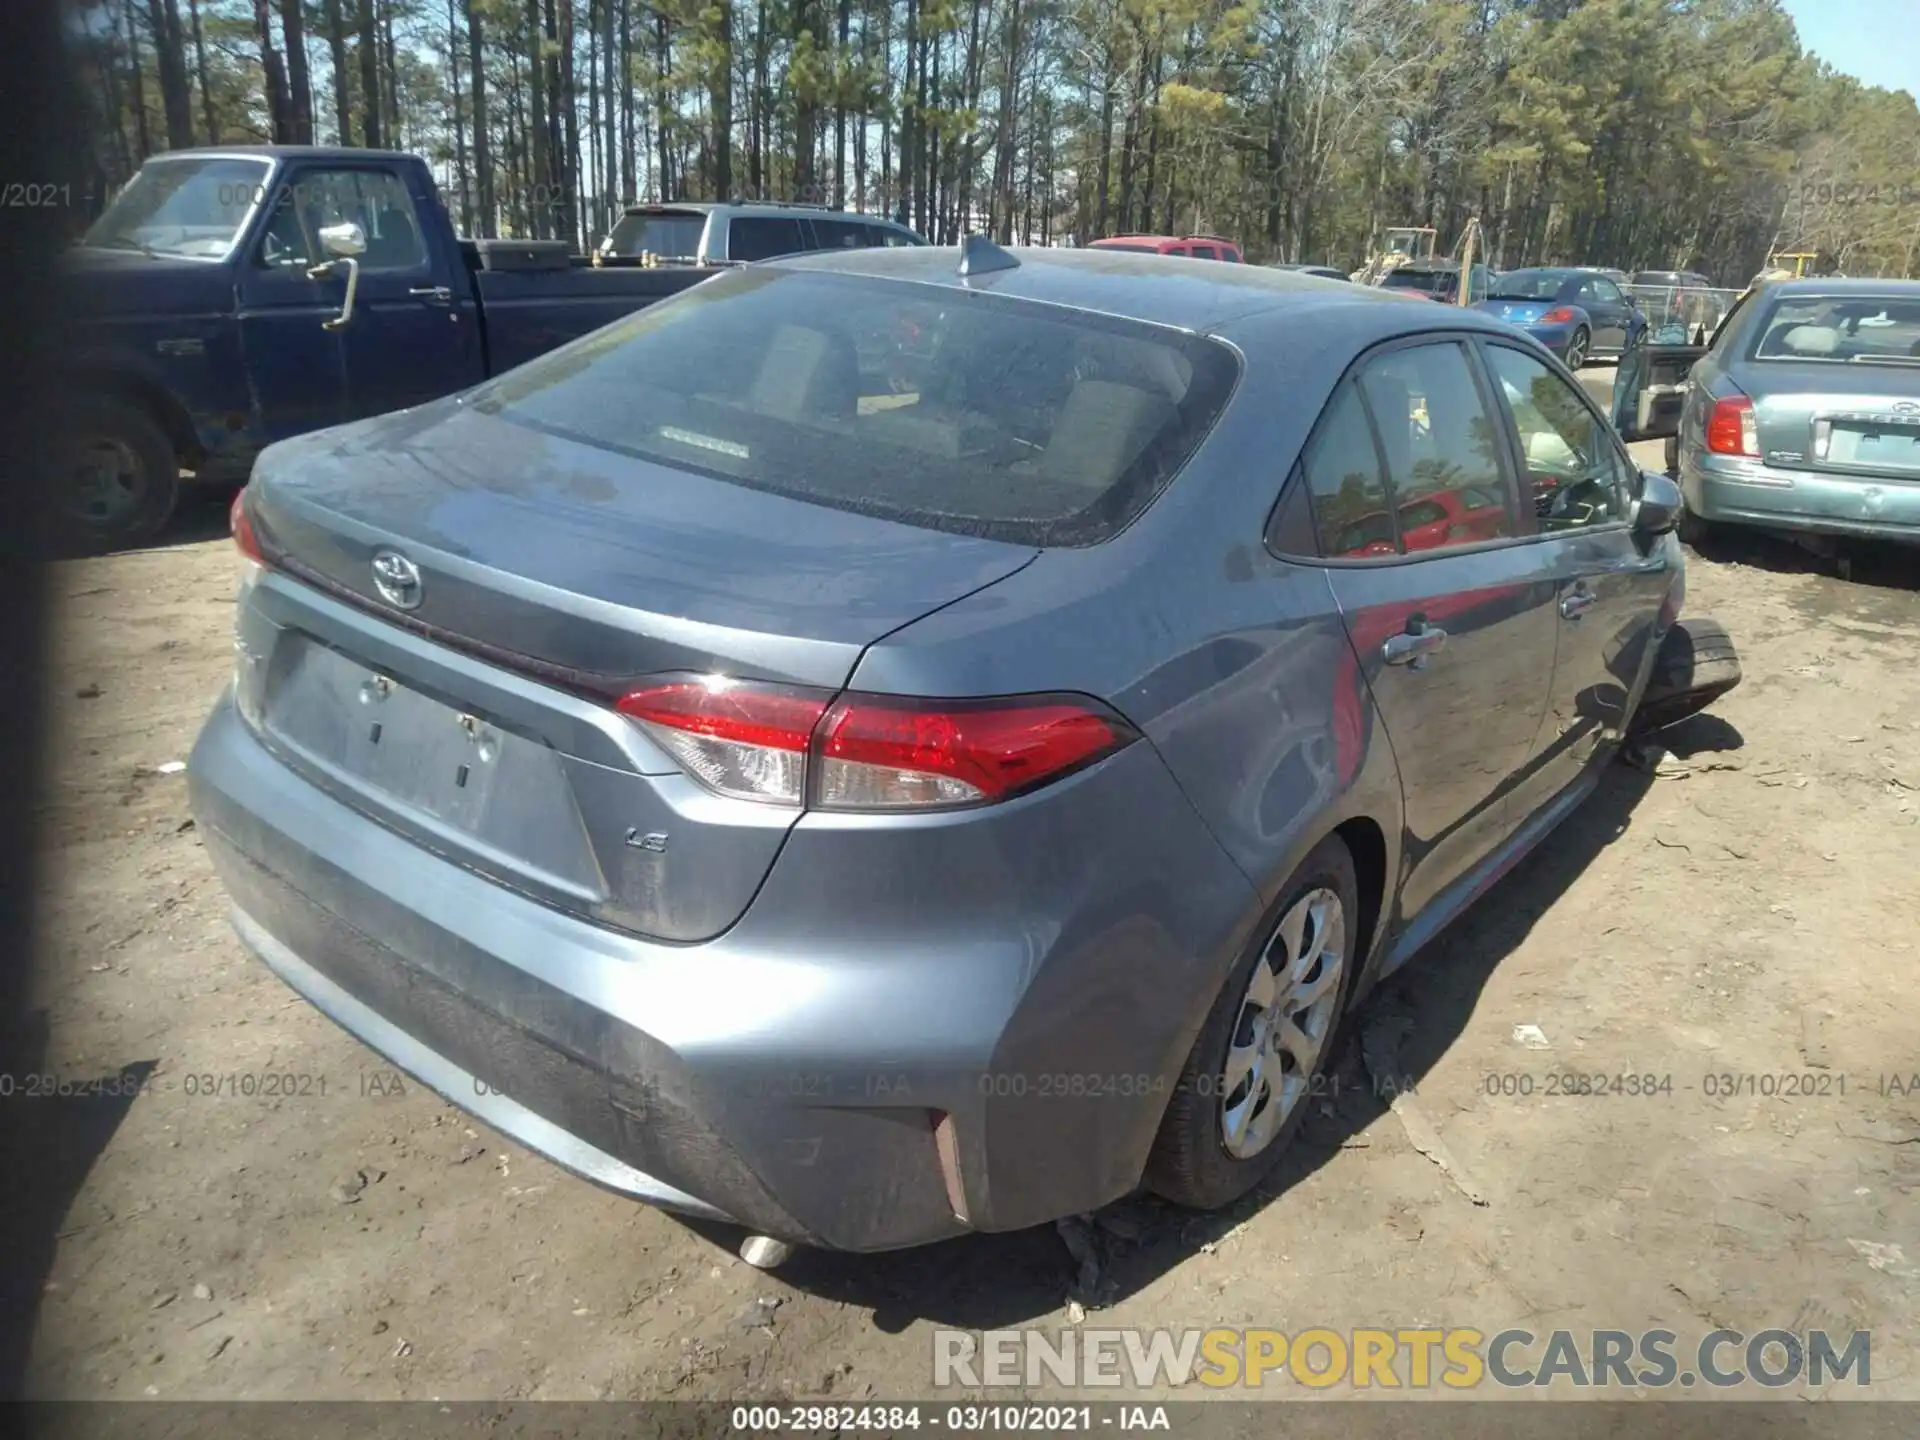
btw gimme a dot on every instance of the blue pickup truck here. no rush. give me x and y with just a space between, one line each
230 298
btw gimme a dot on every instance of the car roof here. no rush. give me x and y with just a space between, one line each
1129 239
1195 295
280 152
1840 289
755 207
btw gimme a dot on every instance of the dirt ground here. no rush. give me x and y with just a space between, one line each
1747 909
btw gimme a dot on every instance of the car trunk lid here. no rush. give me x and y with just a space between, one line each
544 577
1853 419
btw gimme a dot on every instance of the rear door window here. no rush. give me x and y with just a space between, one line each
1439 444
975 413
1206 252
672 235
1352 509
761 237
836 234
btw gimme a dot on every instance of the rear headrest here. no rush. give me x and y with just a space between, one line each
807 375
1793 338
1101 430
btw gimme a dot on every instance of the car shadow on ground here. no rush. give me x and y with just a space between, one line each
52 1130
994 1281
1877 564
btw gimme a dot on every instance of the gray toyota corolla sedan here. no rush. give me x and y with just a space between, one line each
889 744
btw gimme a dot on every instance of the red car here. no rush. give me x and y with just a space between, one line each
1199 247
1445 517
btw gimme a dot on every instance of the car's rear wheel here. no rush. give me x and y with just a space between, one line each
1577 348
1266 1043
1691 529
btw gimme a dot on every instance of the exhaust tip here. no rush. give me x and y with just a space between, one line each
763 1252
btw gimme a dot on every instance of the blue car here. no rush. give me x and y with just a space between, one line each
1580 315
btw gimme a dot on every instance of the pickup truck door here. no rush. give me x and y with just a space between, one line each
296 369
414 335
414 332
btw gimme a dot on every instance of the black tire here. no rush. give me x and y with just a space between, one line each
1190 1164
1692 530
1673 458
1577 348
1695 666
119 480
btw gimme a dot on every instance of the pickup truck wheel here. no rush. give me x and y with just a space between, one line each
1696 665
1248 1083
121 478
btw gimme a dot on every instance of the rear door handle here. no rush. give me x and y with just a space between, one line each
1413 647
1573 606
439 294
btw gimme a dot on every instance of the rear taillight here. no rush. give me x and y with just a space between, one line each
1559 315
746 741
786 746
879 753
1731 429
242 526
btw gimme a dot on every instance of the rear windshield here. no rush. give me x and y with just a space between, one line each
670 236
1427 282
1865 329
949 409
1529 285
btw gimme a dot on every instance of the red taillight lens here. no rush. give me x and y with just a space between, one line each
242 526
746 741
882 753
787 746
1731 429
1559 315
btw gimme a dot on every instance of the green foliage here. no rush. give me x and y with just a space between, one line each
1636 133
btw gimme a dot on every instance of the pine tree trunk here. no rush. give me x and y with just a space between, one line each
279 107
293 27
720 102
136 79
539 131
460 175
840 113
570 129
200 70
176 102
369 76
390 129
629 156
482 138
337 50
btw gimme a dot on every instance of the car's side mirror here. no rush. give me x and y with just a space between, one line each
344 241
1658 509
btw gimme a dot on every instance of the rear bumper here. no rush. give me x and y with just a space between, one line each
1725 490
789 1075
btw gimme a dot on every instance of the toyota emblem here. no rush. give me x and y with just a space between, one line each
397 579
